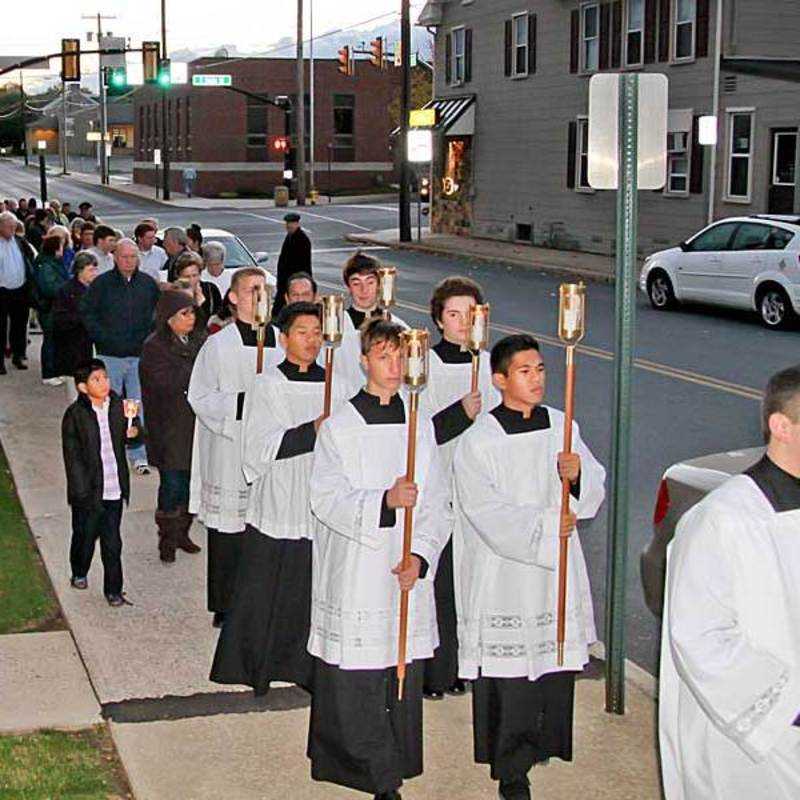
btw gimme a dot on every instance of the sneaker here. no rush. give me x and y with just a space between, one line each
53 381
142 469
79 583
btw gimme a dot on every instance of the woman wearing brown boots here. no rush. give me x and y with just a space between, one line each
165 367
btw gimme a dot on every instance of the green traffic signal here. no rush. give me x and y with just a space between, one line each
164 79
118 79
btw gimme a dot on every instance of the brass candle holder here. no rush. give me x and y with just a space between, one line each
332 306
387 289
478 338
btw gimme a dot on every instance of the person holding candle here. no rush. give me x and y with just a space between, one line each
452 405
222 377
266 633
361 736
508 470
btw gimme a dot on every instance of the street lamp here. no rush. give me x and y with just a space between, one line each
41 146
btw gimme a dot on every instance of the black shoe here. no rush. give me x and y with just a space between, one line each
79 583
458 687
518 789
219 619
117 600
432 694
389 796
19 363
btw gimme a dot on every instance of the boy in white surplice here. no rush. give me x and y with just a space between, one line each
508 470
360 735
729 692
222 376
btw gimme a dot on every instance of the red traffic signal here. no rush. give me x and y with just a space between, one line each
280 144
376 48
345 61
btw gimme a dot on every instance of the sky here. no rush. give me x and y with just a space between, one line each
250 25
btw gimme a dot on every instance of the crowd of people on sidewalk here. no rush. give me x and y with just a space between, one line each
298 470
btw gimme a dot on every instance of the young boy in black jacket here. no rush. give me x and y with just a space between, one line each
93 434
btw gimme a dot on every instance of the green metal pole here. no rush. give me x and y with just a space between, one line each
627 235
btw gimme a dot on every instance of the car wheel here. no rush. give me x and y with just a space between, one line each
775 308
659 290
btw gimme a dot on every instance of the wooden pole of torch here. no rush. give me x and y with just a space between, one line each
569 413
328 379
408 528
260 337
476 368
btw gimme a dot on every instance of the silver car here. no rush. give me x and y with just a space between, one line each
682 486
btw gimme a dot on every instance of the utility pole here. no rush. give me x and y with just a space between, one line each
712 173
405 106
101 74
63 127
164 118
300 112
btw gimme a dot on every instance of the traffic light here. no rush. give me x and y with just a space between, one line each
71 60
376 48
280 144
425 190
150 53
164 79
345 61
116 80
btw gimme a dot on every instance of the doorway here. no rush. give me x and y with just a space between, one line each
783 179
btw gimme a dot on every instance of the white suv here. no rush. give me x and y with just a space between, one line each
741 262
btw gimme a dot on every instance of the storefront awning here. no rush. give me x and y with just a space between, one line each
787 69
455 116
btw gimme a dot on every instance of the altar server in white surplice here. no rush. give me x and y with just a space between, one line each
508 472
265 636
729 698
223 375
452 406
360 735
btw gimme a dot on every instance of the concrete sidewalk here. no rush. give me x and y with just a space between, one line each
563 262
178 735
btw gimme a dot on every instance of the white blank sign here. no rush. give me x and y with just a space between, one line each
420 146
604 131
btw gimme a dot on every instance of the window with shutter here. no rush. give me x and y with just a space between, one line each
582 155
519 58
574 40
684 29
590 37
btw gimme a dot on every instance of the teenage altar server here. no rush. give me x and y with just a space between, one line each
453 407
361 736
729 699
360 277
508 471
266 631
222 377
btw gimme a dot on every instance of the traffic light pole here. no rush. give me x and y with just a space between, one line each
103 127
300 113
405 107
164 119
63 126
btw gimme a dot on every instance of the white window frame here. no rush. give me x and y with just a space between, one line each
455 78
629 31
582 124
515 19
584 40
675 23
775 136
673 155
730 155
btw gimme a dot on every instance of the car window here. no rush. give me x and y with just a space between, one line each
779 238
716 238
236 255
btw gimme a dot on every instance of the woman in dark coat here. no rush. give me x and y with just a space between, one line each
165 368
50 275
73 347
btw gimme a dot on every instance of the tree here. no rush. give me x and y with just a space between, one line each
421 93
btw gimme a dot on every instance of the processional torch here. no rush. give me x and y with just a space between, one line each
261 304
332 330
387 290
571 329
478 338
415 375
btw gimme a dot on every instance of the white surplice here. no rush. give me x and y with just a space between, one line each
224 368
279 495
355 598
505 550
730 651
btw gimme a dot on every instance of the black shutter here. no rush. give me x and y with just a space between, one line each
508 47
664 28
650 30
467 55
696 165
572 143
574 40
605 31
703 21
531 44
448 58
616 35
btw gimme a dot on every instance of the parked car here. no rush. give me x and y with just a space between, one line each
740 262
237 253
682 486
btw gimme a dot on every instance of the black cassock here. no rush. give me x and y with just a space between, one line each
295 257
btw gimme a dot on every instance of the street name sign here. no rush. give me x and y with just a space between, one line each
212 80
422 117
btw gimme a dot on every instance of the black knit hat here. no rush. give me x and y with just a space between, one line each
170 303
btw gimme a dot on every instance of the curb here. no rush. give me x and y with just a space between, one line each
590 275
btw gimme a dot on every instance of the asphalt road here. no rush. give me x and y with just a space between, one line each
697 378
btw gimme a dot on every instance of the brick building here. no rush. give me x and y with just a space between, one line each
227 137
